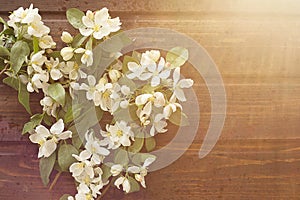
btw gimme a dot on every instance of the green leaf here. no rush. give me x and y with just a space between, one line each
48 120
35 42
74 17
56 54
76 140
136 55
23 96
57 92
137 144
139 158
72 113
89 44
4 51
35 120
46 167
106 172
65 158
134 185
64 197
12 82
179 118
78 40
177 56
121 157
116 42
19 51
150 143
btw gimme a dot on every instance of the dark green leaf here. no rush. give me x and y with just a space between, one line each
65 158
179 118
56 54
46 167
57 92
72 113
177 56
74 17
150 143
12 82
35 120
121 157
134 185
23 97
19 51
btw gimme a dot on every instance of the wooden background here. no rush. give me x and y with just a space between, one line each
256 45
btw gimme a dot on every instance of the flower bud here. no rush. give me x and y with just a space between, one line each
66 37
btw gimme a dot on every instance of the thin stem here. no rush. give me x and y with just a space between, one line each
55 180
3 70
105 190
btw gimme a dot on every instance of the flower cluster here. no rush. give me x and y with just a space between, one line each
142 92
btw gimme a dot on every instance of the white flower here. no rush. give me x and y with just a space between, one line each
48 139
38 59
83 166
67 53
46 42
124 182
152 54
90 88
115 170
171 107
93 146
53 67
157 72
99 24
37 28
179 85
135 69
141 172
24 16
102 94
158 125
72 69
66 37
117 135
84 192
49 106
87 57
114 75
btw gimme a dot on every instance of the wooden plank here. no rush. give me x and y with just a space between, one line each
236 169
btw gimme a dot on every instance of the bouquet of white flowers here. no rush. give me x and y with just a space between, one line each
142 92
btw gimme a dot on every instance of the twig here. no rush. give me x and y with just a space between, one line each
55 180
3 70
104 191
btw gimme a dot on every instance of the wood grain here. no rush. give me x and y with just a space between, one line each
256 46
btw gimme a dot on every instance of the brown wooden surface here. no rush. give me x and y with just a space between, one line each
256 45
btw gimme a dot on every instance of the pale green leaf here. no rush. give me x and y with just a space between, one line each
57 92
89 44
64 197
121 157
46 167
19 51
177 56
134 185
35 120
23 96
106 172
139 158
12 82
4 51
65 158
78 40
35 43
72 113
74 17
179 118
150 143
137 144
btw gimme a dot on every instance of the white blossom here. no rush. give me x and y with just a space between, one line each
99 24
124 182
66 37
48 139
46 42
179 85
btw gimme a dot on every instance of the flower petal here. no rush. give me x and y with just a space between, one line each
58 127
